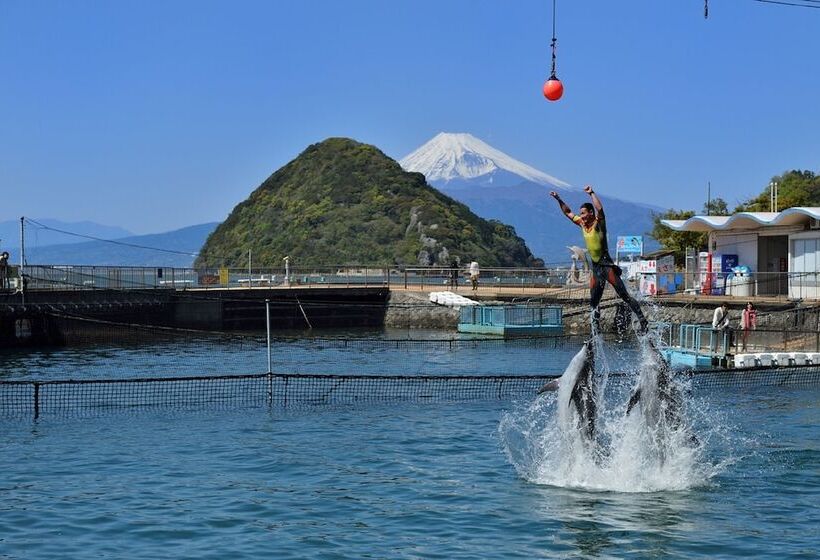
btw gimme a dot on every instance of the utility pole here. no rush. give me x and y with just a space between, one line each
776 189
708 198
22 279
773 196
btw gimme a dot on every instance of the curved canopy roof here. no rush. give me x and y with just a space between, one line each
746 220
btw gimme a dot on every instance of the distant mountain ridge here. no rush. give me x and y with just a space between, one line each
10 232
496 186
177 248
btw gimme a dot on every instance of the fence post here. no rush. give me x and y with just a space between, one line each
267 324
36 400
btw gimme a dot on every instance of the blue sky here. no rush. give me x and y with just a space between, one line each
158 115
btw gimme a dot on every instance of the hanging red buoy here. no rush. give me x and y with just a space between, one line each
553 89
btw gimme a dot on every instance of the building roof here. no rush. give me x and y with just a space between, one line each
746 220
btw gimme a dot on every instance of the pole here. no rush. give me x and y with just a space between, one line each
22 285
771 196
250 284
267 320
776 188
708 198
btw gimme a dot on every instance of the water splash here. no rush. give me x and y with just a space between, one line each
662 444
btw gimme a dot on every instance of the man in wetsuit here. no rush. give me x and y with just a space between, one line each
593 226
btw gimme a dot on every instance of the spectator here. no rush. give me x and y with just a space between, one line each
4 270
454 274
748 321
474 273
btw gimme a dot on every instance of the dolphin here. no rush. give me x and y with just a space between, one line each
583 391
668 399
582 395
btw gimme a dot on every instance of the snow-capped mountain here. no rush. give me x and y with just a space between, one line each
459 157
497 186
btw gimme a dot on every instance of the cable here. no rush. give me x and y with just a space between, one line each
813 4
122 243
553 43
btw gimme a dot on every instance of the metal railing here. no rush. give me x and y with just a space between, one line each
779 285
518 315
70 277
557 280
704 340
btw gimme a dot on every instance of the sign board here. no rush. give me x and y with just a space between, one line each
647 267
630 244
649 285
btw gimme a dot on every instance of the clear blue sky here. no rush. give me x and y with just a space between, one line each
157 115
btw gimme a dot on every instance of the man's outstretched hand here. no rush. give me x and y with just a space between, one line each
554 195
588 189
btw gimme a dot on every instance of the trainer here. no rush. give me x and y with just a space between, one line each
592 222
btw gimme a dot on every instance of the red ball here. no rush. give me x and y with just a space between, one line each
553 89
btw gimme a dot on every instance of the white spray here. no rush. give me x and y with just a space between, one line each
652 448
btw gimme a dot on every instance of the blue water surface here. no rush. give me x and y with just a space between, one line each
389 481
337 352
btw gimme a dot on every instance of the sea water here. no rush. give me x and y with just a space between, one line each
400 480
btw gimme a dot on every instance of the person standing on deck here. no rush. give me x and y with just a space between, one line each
592 221
720 324
4 270
454 274
748 321
474 274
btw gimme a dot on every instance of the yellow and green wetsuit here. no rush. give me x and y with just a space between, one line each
595 237
604 270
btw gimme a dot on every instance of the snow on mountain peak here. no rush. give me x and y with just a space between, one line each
451 156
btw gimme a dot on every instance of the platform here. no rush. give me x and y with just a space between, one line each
511 320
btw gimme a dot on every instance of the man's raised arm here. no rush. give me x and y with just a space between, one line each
564 208
596 202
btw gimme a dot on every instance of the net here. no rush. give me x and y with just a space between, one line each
90 397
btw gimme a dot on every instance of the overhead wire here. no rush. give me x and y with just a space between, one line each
112 241
121 243
794 4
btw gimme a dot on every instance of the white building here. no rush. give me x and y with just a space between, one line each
781 248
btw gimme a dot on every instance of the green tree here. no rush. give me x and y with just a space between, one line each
795 188
716 207
677 241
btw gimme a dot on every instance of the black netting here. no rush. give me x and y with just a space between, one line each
797 376
71 397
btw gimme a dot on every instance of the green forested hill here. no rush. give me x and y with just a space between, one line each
343 202
795 188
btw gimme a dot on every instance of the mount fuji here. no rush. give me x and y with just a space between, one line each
497 186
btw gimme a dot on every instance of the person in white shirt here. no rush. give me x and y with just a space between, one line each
720 322
474 275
